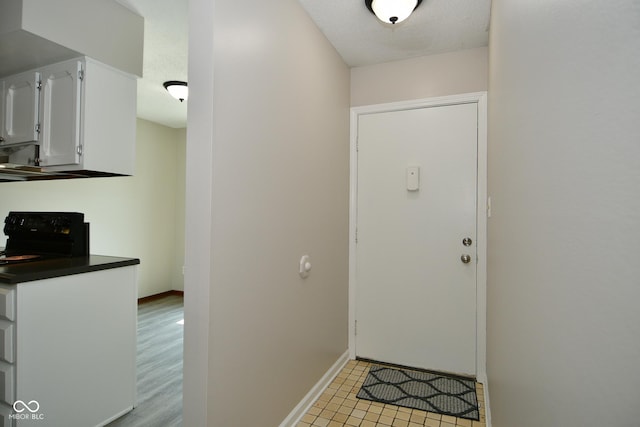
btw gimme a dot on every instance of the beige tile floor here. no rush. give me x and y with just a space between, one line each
339 406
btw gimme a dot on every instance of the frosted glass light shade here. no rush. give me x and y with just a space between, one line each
393 11
179 90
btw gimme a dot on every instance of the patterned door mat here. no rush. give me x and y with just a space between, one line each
433 392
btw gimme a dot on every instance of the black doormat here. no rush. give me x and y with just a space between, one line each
433 392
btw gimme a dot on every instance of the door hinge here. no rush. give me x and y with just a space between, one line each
37 128
80 74
79 150
39 85
357 145
37 160
356 235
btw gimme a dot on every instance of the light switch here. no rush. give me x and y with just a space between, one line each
413 178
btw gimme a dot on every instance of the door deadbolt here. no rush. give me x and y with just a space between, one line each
467 241
465 258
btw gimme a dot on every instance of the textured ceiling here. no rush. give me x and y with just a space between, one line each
165 58
436 26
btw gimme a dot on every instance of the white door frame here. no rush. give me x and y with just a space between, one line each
479 98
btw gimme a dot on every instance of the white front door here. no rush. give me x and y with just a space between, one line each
415 286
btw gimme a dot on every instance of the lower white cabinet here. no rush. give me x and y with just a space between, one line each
5 413
72 352
7 340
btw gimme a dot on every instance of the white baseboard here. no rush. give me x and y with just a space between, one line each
487 405
301 408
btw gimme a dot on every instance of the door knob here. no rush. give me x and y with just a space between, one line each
465 258
467 241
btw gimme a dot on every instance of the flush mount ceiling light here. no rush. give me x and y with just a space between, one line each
392 11
177 89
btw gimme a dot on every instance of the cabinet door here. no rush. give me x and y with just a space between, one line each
7 341
7 383
7 302
60 112
20 101
5 416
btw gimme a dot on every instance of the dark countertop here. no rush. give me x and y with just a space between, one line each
49 268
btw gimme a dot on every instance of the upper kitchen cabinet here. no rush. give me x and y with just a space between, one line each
85 118
99 116
20 96
60 110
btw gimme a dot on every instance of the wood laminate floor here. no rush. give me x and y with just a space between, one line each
159 365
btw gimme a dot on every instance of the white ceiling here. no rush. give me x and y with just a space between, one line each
436 26
164 58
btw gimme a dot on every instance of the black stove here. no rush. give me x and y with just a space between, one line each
32 236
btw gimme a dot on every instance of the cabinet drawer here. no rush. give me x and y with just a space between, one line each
7 383
6 341
7 303
5 413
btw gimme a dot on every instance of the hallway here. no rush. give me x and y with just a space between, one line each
159 365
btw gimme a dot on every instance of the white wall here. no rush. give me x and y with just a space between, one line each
564 276
83 26
11 16
180 165
268 180
444 74
136 216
